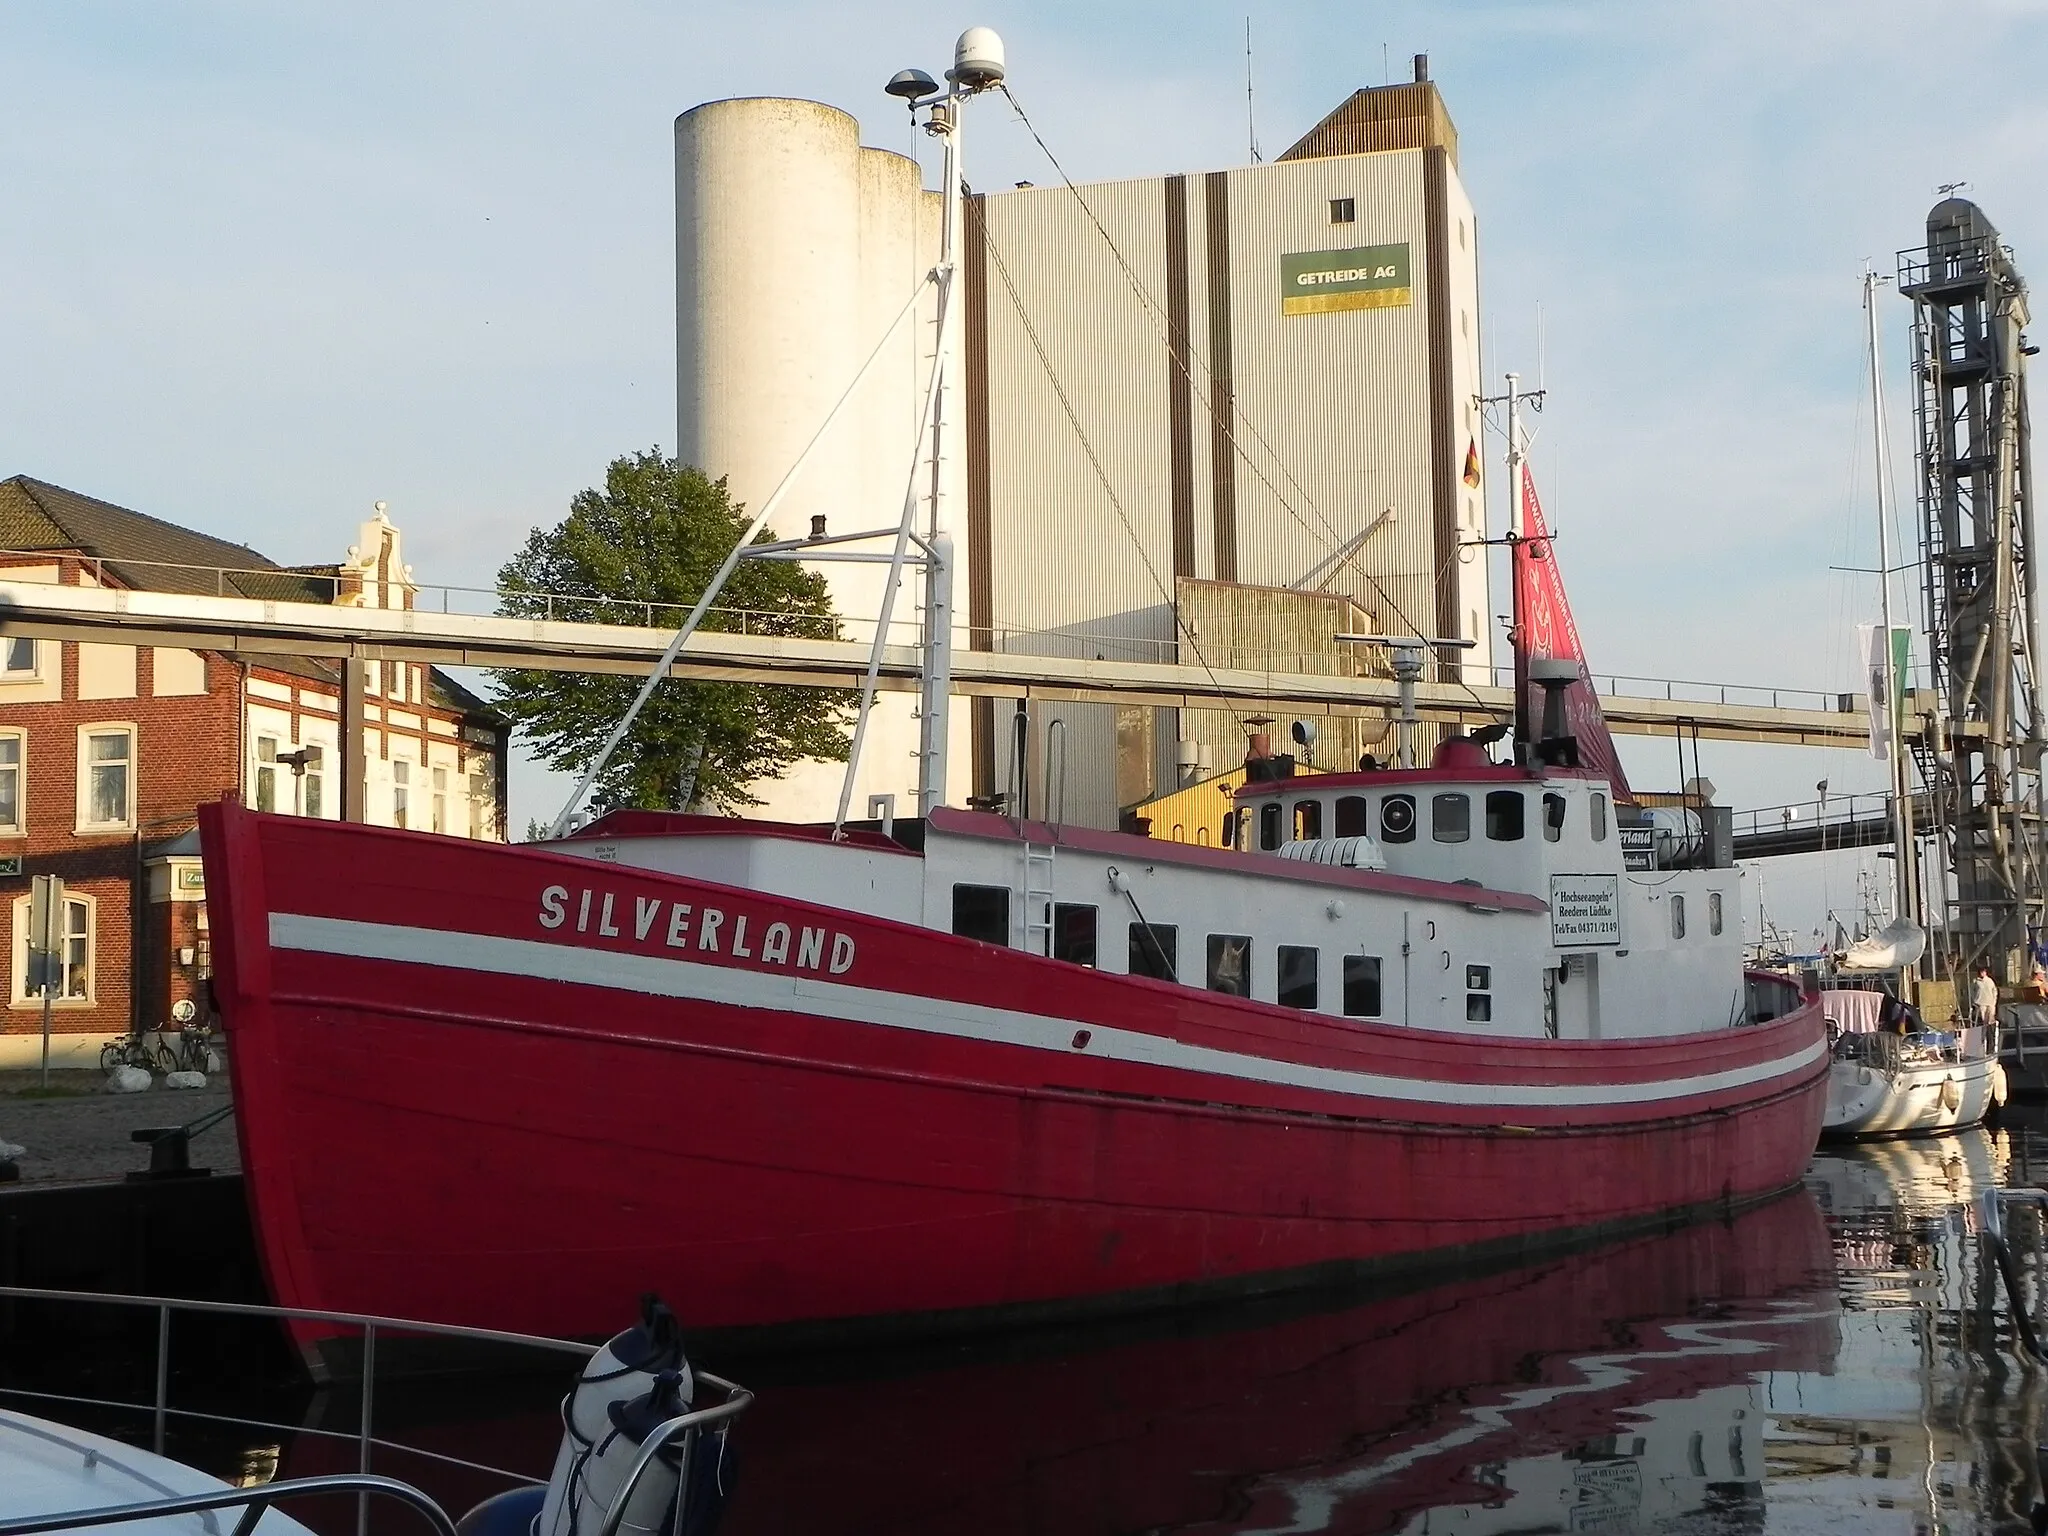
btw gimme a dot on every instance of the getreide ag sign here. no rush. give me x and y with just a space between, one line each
1364 277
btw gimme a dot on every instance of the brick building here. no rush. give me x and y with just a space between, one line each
106 751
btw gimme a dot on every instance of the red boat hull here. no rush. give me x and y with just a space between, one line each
451 1109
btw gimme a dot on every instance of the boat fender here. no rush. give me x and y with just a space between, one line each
1951 1096
503 1514
1999 1088
624 1369
710 1473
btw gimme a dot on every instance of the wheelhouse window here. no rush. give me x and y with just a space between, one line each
1297 976
1397 819
106 777
1478 994
1450 818
1553 818
1677 917
1714 913
1230 964
1351 816
1155 951
1504 815
1362 986
1269 825
1597 804
1230 829
1073 933
1308 820
12 750
982 912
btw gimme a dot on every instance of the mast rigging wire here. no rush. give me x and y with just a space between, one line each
1182 359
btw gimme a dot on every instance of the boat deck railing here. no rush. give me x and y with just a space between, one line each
683 1430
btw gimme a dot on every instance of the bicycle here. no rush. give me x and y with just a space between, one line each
131 1050
193 1053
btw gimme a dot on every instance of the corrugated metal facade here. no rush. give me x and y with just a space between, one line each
1146 412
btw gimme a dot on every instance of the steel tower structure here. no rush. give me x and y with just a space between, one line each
1979 749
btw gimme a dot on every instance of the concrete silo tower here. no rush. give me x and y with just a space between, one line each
795 247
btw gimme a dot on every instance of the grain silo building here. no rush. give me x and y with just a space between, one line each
1176 386
1262 376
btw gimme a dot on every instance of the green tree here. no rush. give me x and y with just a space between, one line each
657 533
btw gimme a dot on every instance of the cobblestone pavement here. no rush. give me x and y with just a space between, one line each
84 1134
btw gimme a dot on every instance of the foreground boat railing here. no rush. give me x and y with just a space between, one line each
254 1503
685 1428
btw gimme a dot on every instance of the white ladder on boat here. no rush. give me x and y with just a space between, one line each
1038 897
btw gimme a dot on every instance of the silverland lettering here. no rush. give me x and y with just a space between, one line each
698 929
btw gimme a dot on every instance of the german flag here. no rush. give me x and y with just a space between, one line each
1472 464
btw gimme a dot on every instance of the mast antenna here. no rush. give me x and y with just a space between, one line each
1251 124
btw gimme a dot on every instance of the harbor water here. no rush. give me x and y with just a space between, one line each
1838 1360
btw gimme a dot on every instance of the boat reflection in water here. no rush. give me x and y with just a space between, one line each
1831 1361
1596 1392
1928 1421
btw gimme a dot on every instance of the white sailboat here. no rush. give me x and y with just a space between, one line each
1883 1082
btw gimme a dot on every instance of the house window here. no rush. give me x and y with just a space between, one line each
401 792
1073 933
1155 951
18 658
1362 986
313 787
1343 210
982 912
1351 816
11 751
1297 976
1478 994
1450 818
1397 819
266 773
1598 811
1553 818
1504 815
1714 913
74 979
1230 964
439 803
1308 820
106 777
1269 825
1677 917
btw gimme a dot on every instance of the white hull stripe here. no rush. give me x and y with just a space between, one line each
659 976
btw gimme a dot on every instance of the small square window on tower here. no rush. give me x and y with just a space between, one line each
1343 210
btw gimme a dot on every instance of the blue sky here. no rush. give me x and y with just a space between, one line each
265 264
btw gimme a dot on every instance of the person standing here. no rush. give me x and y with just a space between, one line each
1984 998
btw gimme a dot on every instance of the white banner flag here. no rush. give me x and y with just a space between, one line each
1884 701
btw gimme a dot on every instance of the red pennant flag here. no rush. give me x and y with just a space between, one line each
1548 630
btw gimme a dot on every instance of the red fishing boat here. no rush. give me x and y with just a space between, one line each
967 1067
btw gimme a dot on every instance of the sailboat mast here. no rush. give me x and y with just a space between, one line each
1905 903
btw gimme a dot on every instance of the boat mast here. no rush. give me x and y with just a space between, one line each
1905 906
1525 728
